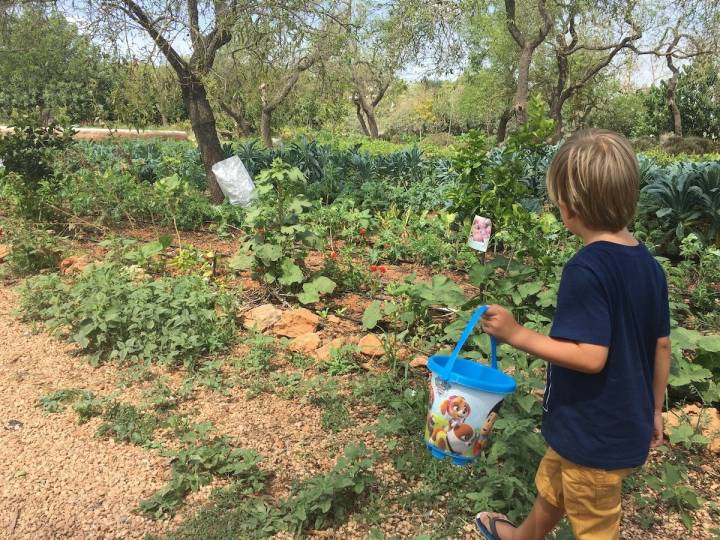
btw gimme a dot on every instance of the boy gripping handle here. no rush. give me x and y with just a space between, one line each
608 348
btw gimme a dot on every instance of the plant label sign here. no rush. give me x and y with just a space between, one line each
480 233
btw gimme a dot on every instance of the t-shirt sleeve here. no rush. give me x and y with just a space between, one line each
582 313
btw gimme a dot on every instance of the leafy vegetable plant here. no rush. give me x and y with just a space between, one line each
276 247
111 316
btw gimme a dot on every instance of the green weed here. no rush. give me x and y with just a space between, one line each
196 465
126 423
56 401
112 317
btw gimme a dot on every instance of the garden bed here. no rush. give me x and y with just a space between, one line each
64 480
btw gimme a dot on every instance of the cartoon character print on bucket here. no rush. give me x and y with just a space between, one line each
465 399
452 424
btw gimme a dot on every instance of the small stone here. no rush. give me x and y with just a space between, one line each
13 424
403 353
307 343
296 322
370 345
334 319
323 353
262 317
419 362
74 264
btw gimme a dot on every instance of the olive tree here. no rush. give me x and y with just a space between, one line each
687 29
386 37
266 59
188 34
48 68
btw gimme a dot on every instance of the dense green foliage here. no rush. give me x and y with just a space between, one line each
29 150
51 70
152 302
111 314
679 199
697 91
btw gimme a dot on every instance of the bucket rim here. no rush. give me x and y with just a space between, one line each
494 382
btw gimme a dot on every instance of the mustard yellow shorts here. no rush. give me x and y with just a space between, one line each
590 497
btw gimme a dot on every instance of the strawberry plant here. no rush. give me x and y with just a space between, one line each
326 500
417 308
196 465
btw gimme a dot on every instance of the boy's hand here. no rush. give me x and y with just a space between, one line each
657 438
499 322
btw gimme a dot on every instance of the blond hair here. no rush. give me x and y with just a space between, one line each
596 174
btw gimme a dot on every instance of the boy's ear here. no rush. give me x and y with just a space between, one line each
565 210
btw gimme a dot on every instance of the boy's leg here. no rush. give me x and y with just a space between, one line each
592 501
547 510
542 519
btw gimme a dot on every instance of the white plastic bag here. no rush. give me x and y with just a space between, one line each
235 181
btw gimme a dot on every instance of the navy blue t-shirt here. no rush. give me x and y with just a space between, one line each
616 296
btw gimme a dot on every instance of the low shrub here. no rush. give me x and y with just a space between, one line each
114 197
112 317
677 200
31 149
32 249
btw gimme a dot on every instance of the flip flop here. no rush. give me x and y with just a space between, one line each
491 533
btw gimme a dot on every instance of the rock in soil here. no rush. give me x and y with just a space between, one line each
74 264
296 322
307 343
419 362
323 353
262 317
370 345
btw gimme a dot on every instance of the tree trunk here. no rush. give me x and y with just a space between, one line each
361 119
242 129
372 123
237 115
502 125
203 126
521 94
559 93
266 127
557 117
671 100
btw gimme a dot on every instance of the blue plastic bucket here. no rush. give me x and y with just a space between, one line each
465 397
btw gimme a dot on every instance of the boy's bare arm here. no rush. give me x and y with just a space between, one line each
583 357
660 379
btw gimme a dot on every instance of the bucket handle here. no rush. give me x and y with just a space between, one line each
474 318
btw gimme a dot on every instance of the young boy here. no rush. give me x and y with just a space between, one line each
608 348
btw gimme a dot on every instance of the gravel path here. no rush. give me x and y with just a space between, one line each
120 133
58 480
